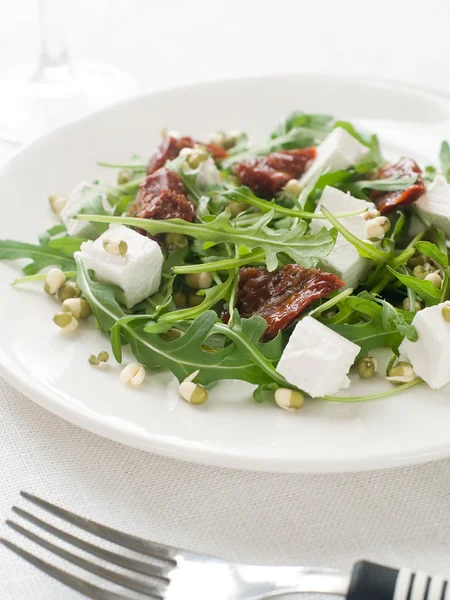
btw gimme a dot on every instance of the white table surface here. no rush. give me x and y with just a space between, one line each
400 516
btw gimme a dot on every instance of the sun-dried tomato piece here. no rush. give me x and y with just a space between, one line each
216 152
162 196
170 147
387 202
167 205
282 295
267 175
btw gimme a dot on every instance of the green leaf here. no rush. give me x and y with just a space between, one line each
398 227
301 119
390 184
123 204
91 199
392 318
101 298
212 296
369 332
425 289
245 195
41 256
349 128
433 252
189 179
429 173
444 158
301 247
67 245
373 159
296 131
46 235
244 357
365 249
256 256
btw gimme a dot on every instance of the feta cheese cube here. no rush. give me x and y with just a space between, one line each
317 359
138 272
85 197
344 260
430 355
434 205
339 150
208 175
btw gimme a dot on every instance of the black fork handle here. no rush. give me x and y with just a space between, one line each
371 581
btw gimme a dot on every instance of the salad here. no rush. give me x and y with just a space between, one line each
284 264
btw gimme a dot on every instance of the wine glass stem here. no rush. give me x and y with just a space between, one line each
54 64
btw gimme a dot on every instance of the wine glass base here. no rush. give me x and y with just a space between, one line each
33 104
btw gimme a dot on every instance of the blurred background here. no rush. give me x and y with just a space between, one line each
166 43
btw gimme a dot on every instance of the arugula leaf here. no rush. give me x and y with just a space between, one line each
349 128
425 289
433 252
365 249
256 256
301 247
367 333
356 188
91 200
189 179
67 245
444 157
392 318
41 256
212 296
123 204
246 196
301 119
373 159
429 173
398 227
47 235
243 358
299 130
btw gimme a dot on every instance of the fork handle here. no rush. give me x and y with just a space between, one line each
370 581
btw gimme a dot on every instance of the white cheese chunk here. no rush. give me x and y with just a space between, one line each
138 272
208 175
434 205
85 197
344 260
339 150
430 355
317 359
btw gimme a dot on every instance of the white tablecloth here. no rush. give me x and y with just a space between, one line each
400 516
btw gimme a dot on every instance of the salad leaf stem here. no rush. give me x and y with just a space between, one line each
394 390
221 265
133 166
245 195
212 297
331 302
40 277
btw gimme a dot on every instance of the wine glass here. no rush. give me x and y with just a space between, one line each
37 99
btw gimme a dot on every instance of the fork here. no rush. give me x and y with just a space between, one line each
176 574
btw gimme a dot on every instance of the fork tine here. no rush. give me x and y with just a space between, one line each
87 589
132 542
124 580
122 561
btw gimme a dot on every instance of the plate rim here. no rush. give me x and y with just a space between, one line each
185 450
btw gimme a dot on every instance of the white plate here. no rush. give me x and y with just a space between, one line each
230 430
